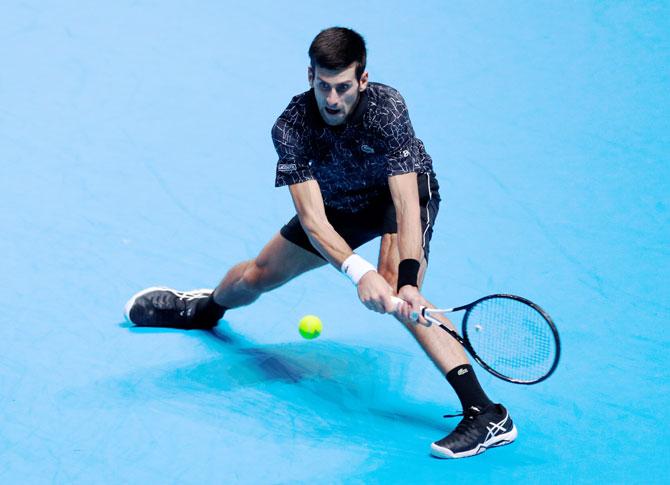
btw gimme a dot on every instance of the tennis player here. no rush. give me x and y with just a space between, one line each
356 171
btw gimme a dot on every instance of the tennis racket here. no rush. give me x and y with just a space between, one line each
509 336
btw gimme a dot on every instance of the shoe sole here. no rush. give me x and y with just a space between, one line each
499 440
133 299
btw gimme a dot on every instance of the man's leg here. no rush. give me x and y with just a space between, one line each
445 352
278 262
484 425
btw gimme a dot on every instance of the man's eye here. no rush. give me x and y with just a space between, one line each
343 88
324 86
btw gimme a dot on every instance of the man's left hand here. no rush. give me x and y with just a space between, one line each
413 303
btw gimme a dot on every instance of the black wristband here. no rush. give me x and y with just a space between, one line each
408 273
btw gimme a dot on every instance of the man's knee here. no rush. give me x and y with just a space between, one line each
389 273
259 277
388 259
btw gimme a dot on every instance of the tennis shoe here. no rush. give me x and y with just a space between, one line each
479 430
165 307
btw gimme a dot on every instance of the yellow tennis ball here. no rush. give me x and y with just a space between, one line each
310 326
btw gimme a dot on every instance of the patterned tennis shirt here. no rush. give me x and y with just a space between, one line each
351 162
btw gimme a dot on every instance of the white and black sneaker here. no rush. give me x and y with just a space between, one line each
479 430
165 307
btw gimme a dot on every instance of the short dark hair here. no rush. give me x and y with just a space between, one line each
337 48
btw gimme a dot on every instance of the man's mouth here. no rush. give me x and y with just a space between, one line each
331 111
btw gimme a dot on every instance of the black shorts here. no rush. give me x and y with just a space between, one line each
360 227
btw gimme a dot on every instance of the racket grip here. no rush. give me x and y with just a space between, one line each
397 301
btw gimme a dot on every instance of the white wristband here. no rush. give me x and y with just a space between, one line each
355 267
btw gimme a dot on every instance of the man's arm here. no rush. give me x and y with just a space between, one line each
308 203
405 194
373 290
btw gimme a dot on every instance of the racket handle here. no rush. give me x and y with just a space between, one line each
397 302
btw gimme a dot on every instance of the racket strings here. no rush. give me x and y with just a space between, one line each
513 338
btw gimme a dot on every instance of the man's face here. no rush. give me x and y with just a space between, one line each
336 92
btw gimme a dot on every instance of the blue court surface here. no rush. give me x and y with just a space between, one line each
135 151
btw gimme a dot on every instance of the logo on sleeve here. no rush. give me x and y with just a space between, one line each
367 148
405 153
286 167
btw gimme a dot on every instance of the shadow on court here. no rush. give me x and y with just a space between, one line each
313 382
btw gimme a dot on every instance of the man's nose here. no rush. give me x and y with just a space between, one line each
332 98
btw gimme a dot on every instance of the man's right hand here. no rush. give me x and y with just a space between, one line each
375 293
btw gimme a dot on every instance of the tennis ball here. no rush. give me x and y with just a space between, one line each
310 326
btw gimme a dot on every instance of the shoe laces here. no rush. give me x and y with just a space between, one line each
468 426
179 301
470 413
192 294
185 300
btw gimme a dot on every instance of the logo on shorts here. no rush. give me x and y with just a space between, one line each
286 167
367 149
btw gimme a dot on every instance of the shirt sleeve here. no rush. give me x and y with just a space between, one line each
290 143
402 154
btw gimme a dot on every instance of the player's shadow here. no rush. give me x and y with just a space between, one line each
351 379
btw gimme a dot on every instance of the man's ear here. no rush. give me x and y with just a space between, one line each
310 76
363 83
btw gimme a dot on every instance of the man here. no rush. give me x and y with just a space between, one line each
355 171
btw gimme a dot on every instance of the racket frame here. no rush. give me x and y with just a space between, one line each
426 313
